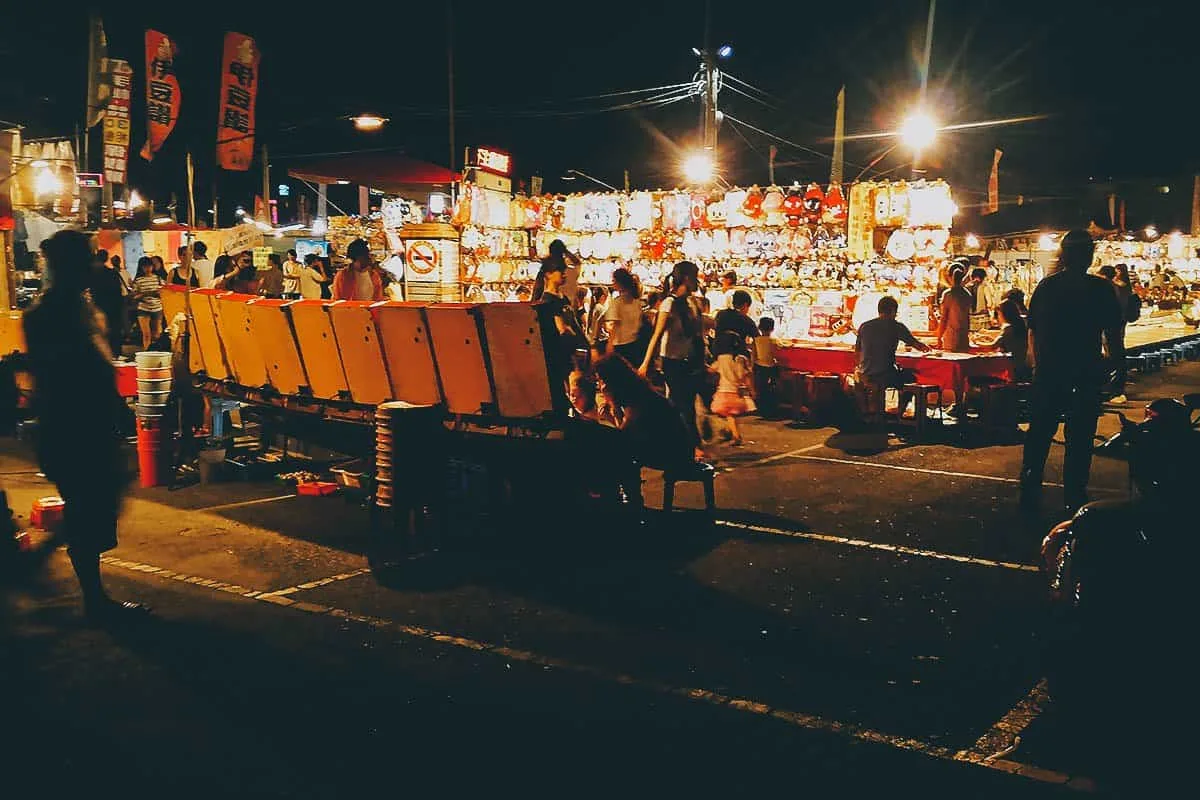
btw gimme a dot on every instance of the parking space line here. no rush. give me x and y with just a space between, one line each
740 704
225 506
899 549
940 472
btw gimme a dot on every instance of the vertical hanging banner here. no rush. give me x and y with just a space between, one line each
116 122
239 92
98 67
993 204
162 92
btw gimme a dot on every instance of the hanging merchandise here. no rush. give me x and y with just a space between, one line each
737 242
716 212
752 207
720 243
833 211
898 205
793 207
639 211
699 211
676 211
814 199
901 245
883 206
734 203
773 206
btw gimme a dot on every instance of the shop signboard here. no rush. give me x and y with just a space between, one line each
163 97
307 246
262 257
239 93
116 122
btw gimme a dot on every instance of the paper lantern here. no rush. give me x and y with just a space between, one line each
898 204
734 202
883 207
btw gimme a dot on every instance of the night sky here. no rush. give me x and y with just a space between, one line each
1114 80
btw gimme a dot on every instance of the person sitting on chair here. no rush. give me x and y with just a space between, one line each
876 350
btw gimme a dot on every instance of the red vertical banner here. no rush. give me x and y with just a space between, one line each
116 122
239 92
162 92
993 204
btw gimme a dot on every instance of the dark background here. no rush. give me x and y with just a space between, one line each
1115 81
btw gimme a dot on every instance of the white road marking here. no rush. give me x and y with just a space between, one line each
890 548
1004 737
225 506
940 472
343 576
741 704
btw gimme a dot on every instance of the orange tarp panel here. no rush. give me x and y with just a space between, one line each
12 333
204 321
272 330
362 359
514 348
174 301
233 320
405 338
460 361
318 348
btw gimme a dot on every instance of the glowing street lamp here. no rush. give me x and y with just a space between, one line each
918 131
369 122
972 241
699 168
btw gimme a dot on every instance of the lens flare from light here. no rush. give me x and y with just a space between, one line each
699 168
918 130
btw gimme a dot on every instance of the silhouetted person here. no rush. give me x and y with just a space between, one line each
108 295
1069 314
79 411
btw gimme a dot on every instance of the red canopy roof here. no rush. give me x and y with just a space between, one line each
389 172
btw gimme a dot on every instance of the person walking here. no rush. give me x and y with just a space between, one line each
79 413
623 316
147 294
360 279
679 339
1071 313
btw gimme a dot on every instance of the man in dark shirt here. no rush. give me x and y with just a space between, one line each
876 349
108 295
737 317
1070 314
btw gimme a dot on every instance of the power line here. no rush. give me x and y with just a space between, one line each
749 86
750 96
788 142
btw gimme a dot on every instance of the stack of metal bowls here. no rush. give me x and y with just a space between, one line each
385 443
153 383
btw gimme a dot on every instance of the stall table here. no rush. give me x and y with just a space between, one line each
947 370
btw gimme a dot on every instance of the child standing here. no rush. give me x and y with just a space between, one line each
766 368
734 395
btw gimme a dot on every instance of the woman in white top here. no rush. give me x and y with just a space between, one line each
623 318
678 338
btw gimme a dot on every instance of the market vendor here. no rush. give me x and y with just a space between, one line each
876 346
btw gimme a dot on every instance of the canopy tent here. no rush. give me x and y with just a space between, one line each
393 173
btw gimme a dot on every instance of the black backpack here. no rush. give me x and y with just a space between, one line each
1133 308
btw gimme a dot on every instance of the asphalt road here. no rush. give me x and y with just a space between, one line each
865 616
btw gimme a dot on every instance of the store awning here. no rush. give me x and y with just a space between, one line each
389 172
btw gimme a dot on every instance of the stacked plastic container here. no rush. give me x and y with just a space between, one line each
154 392
384 453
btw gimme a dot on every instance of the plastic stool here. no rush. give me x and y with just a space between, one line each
1169 356
699 472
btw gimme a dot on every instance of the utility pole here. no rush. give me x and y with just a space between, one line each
266 192
708 65
450 75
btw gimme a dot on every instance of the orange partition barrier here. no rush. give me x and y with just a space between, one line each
233 321
12 333
458 348
404 334
174 301
271 328
362 358
318 348
514 350
206 334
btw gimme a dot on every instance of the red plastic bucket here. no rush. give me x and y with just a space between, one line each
149 465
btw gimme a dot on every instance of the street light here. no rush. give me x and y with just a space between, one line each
699 168
918 130
369 122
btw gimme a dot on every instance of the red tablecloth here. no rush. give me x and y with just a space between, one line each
947 370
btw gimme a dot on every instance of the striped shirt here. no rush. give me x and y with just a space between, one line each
148 289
